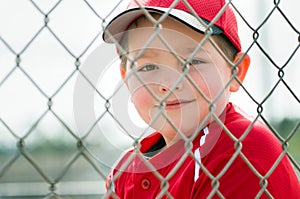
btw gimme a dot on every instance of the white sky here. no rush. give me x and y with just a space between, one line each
48 63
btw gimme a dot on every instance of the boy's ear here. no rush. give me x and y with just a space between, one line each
122 71
242 70
123 74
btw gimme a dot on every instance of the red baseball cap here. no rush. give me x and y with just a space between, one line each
187 12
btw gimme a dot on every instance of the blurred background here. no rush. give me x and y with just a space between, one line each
48 149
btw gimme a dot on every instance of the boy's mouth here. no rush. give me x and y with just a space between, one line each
176 104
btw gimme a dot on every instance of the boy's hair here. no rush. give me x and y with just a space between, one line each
221 40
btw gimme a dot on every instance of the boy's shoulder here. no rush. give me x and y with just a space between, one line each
250 133
237 129
239 123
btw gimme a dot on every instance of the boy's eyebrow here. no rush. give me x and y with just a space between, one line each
150 53
146 53
190 50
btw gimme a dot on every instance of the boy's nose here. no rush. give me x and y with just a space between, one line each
166 88
170 78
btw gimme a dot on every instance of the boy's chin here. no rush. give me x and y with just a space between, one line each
176 131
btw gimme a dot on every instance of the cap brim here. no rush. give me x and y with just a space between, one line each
121 22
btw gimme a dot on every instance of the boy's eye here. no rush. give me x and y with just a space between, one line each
195 62
148 67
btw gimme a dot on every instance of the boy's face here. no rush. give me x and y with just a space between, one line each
160 78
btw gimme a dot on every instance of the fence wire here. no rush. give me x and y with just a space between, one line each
45 155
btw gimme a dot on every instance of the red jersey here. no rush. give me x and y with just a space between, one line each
215 166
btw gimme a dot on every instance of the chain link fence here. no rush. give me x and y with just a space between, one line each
61 126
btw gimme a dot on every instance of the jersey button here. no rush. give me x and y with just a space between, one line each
146 183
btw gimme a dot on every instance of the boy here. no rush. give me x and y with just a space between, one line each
180 74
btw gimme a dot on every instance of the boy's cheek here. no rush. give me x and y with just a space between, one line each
141 97
200 85
212 84
142 89
210 81
143 103
136 85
